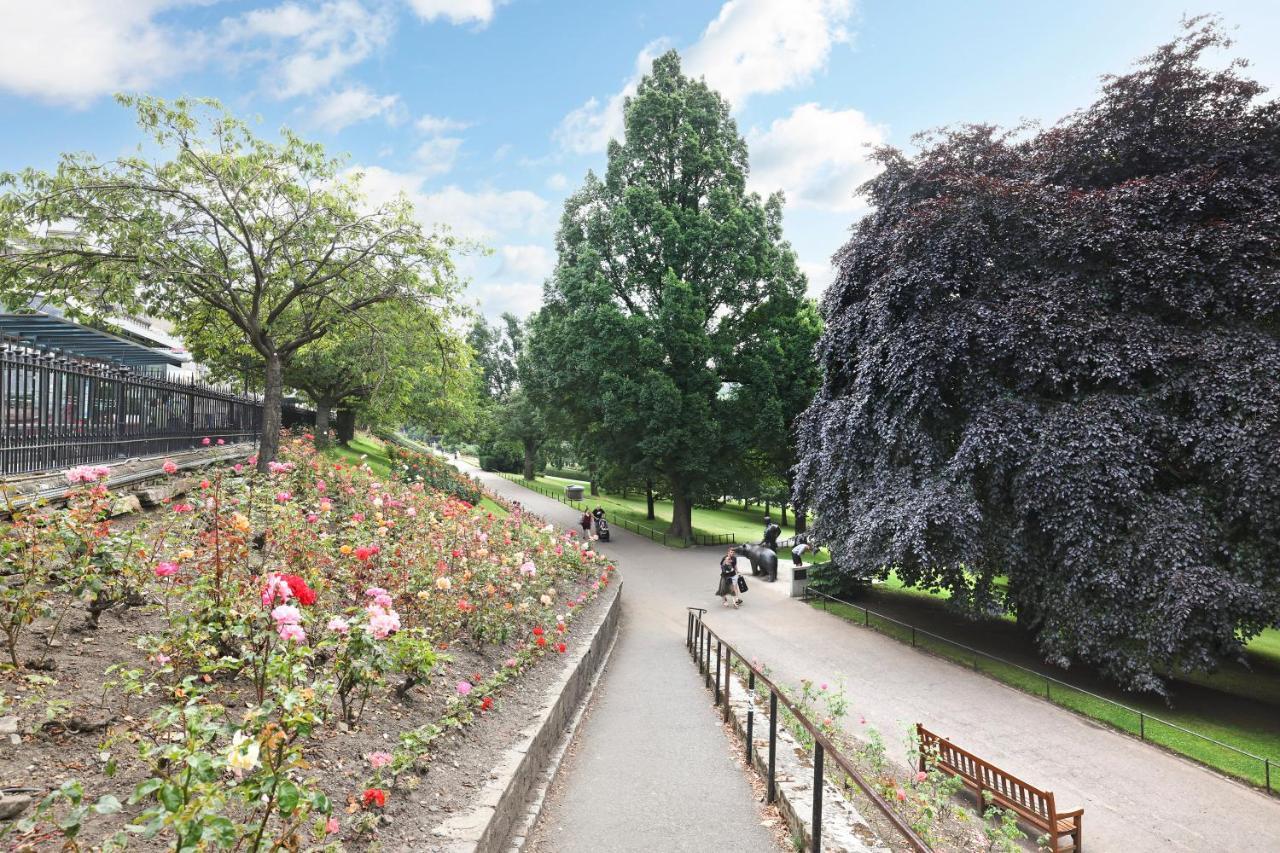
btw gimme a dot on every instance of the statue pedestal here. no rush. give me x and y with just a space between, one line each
792 578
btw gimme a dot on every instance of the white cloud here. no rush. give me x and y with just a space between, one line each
481 215
309 47
455 11
818 157
752 47
820 275
437 155
558 182
439 124
72 51
352 105
526 262
589 128
761 46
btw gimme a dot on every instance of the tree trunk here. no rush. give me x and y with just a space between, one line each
745 505
766 506
323 406
784 514
681 512
346 426
802 520
530 457
272 399
595 486
648 493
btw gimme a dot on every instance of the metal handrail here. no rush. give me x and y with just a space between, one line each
1049 680
698 640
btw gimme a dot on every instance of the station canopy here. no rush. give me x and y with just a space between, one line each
75 340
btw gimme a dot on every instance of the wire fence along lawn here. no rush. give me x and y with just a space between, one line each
1240 763
698 538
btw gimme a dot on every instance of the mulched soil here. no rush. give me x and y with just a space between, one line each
65 720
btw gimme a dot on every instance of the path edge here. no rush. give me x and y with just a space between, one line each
510 803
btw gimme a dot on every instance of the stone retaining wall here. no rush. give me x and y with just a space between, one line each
502 803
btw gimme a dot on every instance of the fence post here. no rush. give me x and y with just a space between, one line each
688 632
1267 764
728 670
750 726
913 636
1142 725
817 796
718 645
773 743
866 617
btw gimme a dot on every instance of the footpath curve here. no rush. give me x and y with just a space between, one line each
1137 797
650 768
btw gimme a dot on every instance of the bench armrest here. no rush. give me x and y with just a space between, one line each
1064 815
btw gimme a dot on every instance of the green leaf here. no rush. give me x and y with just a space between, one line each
107 804
143 788
287 797
170 796
220 830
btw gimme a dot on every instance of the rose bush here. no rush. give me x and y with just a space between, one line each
280 619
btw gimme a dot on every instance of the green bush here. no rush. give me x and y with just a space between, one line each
438 475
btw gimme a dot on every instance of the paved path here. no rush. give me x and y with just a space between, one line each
651 769
1136 797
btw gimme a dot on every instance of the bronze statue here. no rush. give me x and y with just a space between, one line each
763 560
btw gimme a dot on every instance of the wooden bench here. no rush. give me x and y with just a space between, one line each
1034 806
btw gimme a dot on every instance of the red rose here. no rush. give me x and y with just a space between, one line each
486 703
542 641
305 595
560 647
374 797
537 631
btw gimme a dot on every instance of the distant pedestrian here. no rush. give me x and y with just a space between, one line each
729 579
585 522
798 551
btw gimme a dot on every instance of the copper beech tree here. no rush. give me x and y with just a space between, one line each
1055 358
272 236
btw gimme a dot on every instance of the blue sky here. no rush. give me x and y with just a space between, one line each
488 113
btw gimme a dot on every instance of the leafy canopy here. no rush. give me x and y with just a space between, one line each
1057 358
669 274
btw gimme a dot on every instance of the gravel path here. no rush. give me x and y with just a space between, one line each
1136 797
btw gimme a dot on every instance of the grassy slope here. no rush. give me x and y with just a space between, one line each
1253 698
375 453
745 525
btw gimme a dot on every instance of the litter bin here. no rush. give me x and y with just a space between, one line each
573 493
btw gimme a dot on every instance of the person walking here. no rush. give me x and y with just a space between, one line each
729 579
585 521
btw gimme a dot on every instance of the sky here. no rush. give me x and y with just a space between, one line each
488 113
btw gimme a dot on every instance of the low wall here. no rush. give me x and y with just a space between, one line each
489 826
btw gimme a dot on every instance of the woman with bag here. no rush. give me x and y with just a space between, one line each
585 522
729 579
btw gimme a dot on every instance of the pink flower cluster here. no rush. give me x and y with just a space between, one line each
87 473
383 621
279 467
288 621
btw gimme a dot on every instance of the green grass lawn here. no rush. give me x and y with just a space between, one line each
744 525
363 444
1253 725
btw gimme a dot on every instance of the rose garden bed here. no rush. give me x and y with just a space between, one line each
313 658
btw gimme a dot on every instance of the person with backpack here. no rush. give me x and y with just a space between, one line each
730 582
585 521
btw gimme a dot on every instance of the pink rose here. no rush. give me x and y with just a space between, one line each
464 687
205 441
166 569
169 467
221 442
379 759
921 776
286 614
292 632
331 825
339 625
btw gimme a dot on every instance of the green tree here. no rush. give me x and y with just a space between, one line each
271 236
666 270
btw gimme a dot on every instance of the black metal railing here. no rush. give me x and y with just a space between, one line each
1129 720
58 411
699 639
698 537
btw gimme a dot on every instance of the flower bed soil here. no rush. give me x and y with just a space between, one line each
68 723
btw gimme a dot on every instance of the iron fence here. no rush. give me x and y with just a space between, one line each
57 411
1240 763
699 639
